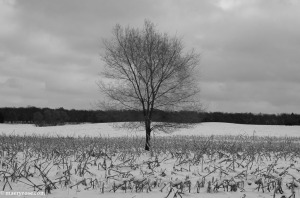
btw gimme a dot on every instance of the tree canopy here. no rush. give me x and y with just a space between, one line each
148 70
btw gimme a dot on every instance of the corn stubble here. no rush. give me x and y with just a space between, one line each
175 165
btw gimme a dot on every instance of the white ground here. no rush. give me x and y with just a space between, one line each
106 129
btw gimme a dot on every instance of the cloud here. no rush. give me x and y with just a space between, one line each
270 97
7 17
49 52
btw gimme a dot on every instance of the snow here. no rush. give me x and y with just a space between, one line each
108 129
80 192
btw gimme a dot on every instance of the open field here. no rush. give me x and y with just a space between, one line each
210 160
106 129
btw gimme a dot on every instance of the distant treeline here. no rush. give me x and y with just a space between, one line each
50 117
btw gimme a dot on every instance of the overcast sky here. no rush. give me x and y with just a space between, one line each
250 49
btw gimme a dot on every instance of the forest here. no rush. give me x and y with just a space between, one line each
61 116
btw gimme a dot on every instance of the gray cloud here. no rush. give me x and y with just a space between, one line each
49 52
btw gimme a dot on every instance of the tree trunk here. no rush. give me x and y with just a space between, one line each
148 133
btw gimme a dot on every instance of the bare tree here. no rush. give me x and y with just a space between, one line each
148 70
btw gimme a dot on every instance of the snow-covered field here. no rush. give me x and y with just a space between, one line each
107 129
143 170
